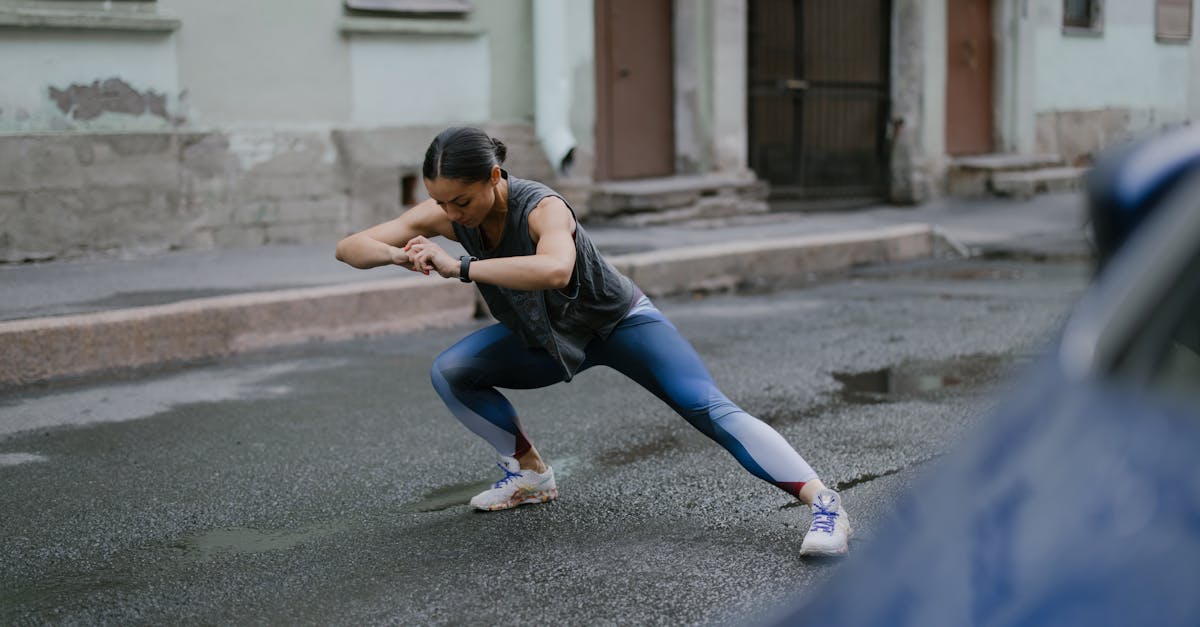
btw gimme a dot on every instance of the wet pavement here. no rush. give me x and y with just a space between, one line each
326 484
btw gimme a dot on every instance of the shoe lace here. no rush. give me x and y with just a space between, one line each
823 519
508 476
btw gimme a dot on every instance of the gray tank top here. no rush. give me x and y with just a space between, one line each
562 322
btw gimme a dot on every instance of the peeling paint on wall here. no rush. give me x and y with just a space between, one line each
88 102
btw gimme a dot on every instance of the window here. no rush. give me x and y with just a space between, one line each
1163 353
112 15
408 7
75 5
406 18
1173 20
1176 368
1083 16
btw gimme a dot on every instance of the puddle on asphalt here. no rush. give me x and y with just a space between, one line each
457 494
877 386
244 540
905 381
121 401
47 594
449 496
16 459
864 478
622 457
918 379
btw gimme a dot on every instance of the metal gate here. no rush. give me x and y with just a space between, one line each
819 96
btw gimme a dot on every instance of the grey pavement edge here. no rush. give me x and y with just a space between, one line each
48 347
338 303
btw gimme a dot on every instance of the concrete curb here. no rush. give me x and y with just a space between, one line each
58 346
42 348
726 266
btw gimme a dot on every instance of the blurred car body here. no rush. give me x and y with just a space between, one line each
1078 502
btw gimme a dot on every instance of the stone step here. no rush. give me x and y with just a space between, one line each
667 199
1027 183
975 176
1006 162
677 195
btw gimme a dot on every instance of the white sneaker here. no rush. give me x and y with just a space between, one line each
518 487
830 531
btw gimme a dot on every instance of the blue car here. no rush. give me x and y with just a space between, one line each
1078 503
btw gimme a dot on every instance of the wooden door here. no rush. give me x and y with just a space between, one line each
968 77
819 96
635 121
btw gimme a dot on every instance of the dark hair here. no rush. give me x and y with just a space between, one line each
463 153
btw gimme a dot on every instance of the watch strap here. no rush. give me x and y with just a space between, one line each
464 268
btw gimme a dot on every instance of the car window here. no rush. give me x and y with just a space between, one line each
1175 365
1178 369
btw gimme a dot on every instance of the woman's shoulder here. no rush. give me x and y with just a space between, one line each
526 194
529 187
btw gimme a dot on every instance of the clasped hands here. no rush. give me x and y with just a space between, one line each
422 255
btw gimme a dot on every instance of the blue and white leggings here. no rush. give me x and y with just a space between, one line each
645 347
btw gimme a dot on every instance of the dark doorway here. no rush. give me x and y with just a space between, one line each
968 77
635 121
819 95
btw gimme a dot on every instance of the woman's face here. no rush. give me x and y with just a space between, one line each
465 203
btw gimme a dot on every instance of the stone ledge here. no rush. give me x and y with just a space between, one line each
43 348
46 19
1005 162
1026 184
777 261
404 26
609 199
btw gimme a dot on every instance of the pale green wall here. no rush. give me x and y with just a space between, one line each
280 64
1194 78
1123 67
1041 70
728 86
510 27
933 122
480 73
262 63
34 61
581 56
413 81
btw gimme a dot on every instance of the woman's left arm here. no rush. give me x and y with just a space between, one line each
551 225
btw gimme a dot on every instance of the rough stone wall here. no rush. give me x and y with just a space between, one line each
132 194
375 162
1078 135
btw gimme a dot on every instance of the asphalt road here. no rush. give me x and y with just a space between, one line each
327 485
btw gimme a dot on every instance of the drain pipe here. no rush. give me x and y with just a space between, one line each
552 82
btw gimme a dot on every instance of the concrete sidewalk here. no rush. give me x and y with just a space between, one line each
70 318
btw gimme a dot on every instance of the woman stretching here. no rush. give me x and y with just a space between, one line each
562 309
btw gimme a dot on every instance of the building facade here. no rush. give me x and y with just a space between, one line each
136 126
1052 81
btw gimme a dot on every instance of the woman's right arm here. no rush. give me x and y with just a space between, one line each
383 244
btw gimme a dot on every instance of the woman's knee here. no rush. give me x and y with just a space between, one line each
450 368
706 403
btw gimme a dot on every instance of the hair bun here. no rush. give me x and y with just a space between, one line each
501 150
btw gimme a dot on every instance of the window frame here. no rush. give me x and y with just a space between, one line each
408 8
1175 37
1095 20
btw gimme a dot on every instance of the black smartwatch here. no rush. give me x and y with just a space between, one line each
464 268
